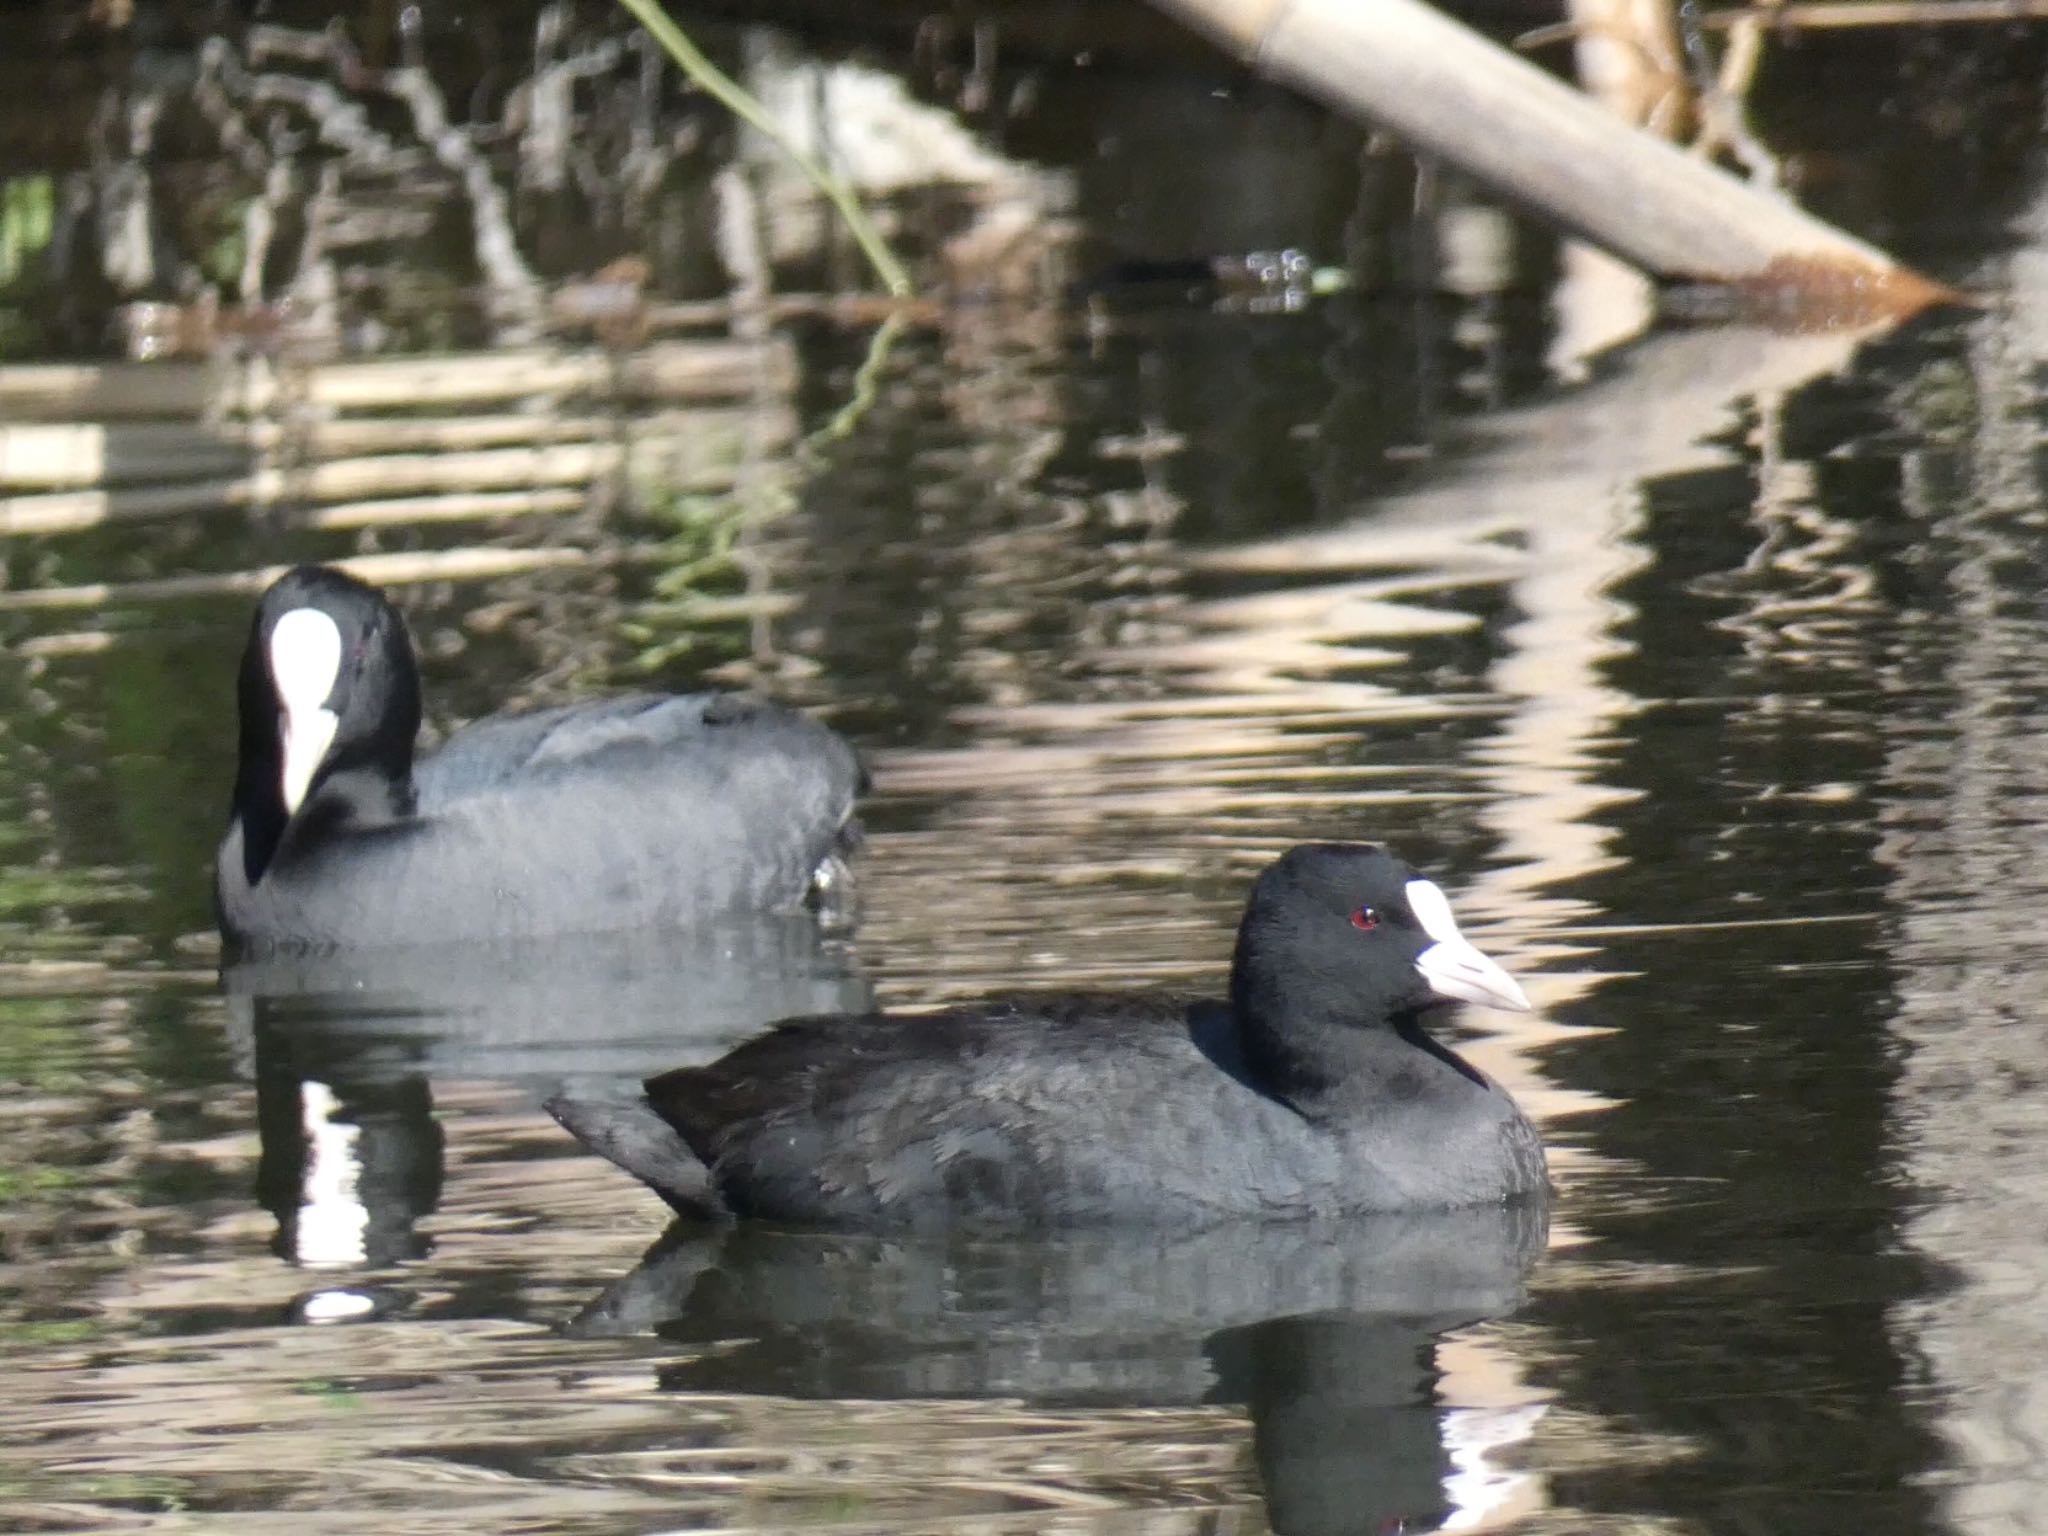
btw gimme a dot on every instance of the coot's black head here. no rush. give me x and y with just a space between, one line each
1345 934
328 686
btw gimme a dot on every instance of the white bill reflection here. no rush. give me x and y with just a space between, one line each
333 1222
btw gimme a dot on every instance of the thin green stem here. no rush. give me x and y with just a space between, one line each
866 385
725 90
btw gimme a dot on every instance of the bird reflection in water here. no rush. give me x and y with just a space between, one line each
345 1049
1328 1335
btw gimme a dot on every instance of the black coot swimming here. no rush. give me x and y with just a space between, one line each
643 811
1313 1090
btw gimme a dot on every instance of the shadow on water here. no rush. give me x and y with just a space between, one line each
1325 1336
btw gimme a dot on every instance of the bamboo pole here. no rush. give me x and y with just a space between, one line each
386 570
705 369
440 487
84 453
694 370
1450 92
453 507
78 455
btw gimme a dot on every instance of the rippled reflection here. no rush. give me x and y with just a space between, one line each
1325 1337
344 1050
1961 802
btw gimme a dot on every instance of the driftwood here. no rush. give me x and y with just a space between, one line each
1450 92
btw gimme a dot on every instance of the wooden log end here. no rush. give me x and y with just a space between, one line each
1812 294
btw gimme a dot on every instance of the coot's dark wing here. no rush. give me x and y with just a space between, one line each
644 812
635 813
990 1114
491 753
692 735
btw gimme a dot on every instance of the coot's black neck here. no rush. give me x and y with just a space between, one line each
1324 1054
363 779
352 797
258 802
259 807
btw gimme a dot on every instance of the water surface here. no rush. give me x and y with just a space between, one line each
1706 676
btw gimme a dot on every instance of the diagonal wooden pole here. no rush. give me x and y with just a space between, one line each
1450 92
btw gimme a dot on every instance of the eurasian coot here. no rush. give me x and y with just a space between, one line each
642 811
1313 1090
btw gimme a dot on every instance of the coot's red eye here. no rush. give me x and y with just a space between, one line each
1365 919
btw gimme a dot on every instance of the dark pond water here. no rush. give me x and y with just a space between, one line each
1708 674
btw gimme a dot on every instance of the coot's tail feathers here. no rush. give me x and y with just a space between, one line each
628 1133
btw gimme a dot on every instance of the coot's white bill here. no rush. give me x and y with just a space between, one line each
305 660
1452 966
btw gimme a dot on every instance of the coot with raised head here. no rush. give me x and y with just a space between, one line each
1314 1089
643 811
